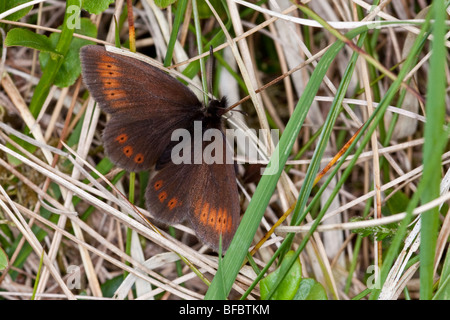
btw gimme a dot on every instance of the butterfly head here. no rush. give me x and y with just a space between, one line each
216 108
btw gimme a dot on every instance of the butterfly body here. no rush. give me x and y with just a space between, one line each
147 106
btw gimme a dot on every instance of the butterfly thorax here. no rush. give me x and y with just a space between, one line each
214 112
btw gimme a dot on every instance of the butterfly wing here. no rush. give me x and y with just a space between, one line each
146 105
136 145
206 193
215 209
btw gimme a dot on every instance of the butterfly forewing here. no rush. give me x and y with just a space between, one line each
123 84
146 106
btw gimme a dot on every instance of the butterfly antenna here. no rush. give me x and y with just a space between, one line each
230 108
210 69
210 77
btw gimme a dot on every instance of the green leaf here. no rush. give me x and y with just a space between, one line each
310 289
204 12
70 69
397 202
110 286
96 6
3 260
377 233
29 39
7 5
288 286
164 3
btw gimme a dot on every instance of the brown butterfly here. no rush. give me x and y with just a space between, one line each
146 106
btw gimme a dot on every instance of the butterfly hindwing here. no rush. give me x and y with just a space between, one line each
215 207
206 193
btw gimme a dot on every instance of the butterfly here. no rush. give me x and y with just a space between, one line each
146 106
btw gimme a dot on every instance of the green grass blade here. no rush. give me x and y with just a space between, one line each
435 140
38 276
181 9
443 292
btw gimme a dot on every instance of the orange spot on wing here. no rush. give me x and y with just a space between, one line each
115 94
110 64
158 184
172 203
162 196
110 83
122 138
139 158
128 151
212 217
221 220
228 223
204 214
107 73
